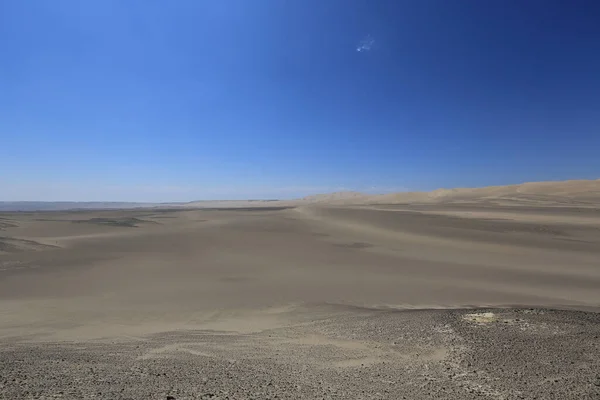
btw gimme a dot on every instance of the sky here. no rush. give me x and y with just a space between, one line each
151 100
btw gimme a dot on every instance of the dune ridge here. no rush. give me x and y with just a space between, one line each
578 193
571 192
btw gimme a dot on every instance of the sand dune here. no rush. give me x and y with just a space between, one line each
574 193
580 193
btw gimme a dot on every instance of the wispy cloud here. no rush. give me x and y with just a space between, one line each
365 44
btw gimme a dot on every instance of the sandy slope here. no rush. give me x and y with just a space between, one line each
569 193
275 300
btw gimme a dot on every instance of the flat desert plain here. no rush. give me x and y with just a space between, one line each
304 300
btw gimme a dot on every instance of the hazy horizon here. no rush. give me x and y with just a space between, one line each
314 191
179 194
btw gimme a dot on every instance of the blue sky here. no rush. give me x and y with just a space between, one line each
144 100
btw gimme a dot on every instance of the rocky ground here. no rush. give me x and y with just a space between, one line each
329 352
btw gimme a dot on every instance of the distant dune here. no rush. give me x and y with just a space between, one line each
337 196
568 193
577 193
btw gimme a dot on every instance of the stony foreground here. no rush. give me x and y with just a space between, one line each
328 352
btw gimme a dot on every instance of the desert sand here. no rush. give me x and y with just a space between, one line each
460 294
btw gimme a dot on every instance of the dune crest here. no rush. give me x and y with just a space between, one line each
571 192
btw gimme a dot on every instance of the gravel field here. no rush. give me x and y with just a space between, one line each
345 354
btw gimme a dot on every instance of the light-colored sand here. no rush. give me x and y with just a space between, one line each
227 268
579 193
